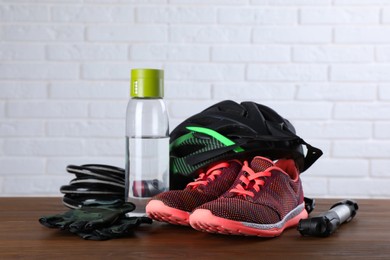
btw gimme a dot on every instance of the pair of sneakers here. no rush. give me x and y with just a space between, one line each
258 199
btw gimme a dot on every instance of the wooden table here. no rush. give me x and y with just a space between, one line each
367 236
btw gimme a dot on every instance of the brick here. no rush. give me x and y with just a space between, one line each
337 91
47 109
90 90
260 2
2 109
176 14
361 2
255 53
188 53
209 34
366 72
25 90
173 123
86 128
20 165
92 13
109 71
368 149
10 128
1 147
382 53
292 34
170 52
362 111
107 109
21 51
335 129
207 2
204 71
293 2
38 71
187 90
380 168
122 13
340 168
150 52
289 72
43 147
126 33
381 130
348 187
41 1
106 146
93 52
362 34
181 110
256 15
340 15
250 91
35 185
40 32
314 187
23 13
386 15
127 1
384 92
333 54
302 110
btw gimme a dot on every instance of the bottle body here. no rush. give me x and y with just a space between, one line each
147 150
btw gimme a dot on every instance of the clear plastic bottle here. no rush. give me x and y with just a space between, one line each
147 138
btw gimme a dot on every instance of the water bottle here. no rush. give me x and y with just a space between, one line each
147 139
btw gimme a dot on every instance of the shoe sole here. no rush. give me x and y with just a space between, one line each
157 210
204 220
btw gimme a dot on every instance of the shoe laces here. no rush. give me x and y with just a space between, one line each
210 175
250 180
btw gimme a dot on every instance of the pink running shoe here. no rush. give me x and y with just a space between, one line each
175 206
265 199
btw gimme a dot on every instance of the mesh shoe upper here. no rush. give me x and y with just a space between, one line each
207 187
175 206
263 193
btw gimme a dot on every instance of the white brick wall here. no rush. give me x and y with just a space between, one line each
65 65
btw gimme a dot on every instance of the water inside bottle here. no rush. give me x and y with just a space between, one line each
147 169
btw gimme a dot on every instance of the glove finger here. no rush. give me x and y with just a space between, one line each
124 227
50 221
98 234
110 216
55 222
127 224
146 220
78 226
104 221
127 207
63 224
94 235
112 232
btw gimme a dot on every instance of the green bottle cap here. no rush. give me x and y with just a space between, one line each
147 83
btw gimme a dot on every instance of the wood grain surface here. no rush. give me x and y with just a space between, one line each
367 236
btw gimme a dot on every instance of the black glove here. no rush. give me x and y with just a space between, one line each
87 217
121 228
